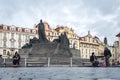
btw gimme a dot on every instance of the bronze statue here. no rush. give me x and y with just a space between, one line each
62 39
41 32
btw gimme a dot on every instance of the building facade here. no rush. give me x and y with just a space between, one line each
73 38
13 38
89 44
113 54
118 53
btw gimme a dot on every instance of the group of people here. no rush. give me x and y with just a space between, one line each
93 58
107 55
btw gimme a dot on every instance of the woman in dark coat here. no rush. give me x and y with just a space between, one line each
16 59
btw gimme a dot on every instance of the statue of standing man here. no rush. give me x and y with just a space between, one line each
41 32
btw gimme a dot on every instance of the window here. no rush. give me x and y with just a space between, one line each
19 38
27 30
27 38
89 52
4 52
12 44
4 27
12 28
33 31
19 45
4 43
48 34
86 50
12 51
19 29
12 35
82 50
4 37
89 39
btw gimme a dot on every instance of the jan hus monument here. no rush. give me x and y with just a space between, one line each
42 47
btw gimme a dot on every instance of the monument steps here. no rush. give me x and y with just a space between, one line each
49 50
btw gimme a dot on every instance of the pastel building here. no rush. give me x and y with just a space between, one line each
118 45
113 58
89 44
72 36
13 38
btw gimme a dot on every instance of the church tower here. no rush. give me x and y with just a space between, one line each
105 41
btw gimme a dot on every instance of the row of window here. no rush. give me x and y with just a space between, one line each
5 52
89 39
12 36
85 51
12 44
27 38
13 28
87 46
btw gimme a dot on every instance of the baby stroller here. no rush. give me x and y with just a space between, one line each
102 62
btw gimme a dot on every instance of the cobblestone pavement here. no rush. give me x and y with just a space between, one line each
59 73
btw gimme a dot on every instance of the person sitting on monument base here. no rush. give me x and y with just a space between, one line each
1 60
16 59
93 60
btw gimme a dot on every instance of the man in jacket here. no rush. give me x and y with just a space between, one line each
93 60
107 55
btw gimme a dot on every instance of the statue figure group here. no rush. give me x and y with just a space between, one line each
42 37
62 39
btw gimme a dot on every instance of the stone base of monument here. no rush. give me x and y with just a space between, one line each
75 53
39 55
50 50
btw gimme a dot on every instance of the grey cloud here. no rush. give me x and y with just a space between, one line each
104 6
105 29
81 15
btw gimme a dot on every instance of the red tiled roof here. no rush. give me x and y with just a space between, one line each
8 28
16 28
1 26
30 30
23 29
57 29
81 38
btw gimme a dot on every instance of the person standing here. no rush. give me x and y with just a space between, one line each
93 60
1 60
107 55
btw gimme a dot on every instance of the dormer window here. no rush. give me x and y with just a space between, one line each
19 29
4 27
13 28
33 31
27 30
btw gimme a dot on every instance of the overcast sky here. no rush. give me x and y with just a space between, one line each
101 17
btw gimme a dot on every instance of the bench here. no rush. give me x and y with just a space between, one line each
34 64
